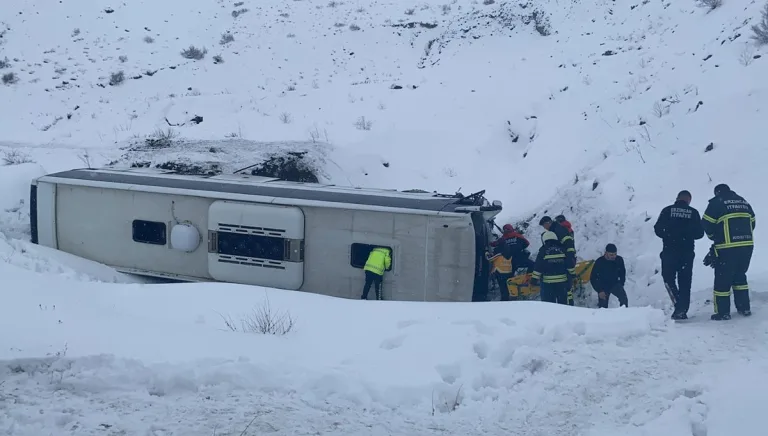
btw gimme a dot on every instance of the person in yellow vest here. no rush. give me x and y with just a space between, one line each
378 261
501 266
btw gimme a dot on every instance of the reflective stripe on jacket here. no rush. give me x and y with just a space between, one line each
378 261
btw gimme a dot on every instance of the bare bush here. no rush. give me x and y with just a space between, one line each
123 58
410 11
5 63
226 38
363 124
218 59
747 55
116 78
286 118
660 109
161 138
489 2
710 4
194 53
761 29
16 157
446 9
262 320
75 32
148 39
239 12
333 4
354 27
10 78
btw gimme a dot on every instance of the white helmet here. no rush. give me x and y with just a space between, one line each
548 236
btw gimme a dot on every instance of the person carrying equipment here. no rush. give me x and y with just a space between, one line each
679 226
515 245
501 268
729 222
608 277
378 261
565 239
553 270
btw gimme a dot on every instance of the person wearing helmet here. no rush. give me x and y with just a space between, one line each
565 239
552 270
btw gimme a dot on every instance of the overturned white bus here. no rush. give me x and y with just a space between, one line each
265 231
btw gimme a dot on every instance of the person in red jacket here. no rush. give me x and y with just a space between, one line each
515 247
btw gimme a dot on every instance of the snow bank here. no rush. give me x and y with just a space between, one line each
161 344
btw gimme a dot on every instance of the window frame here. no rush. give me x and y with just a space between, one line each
283 242
144 234
358 247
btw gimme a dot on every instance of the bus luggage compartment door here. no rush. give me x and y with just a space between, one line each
256 244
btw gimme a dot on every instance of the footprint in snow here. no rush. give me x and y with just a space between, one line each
392 343
449 373
481 349
407 323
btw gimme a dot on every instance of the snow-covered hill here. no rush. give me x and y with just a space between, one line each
598 109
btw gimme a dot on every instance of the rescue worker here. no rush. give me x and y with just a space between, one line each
678 226
516 247
552 270
378 261
608 277
565 223
501 268
565 238
729 222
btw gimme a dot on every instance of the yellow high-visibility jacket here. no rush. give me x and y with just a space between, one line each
378 261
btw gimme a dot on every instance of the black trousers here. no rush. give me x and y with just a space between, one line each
731 268
502 280
619 292
375 280
555 292
677 273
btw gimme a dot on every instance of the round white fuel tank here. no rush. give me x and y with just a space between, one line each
185 237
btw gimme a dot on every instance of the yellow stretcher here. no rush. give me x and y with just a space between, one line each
520 288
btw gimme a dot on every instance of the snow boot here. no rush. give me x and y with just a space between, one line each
678 316
720 317
745 312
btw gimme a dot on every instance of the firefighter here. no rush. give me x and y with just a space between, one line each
565 223
378 261
608 277
501 268
552 270
516 247
565 238
729 222
678 226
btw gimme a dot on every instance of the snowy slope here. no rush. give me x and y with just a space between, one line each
603 117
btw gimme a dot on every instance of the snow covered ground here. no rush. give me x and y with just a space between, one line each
595 109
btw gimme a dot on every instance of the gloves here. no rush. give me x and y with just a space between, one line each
710 258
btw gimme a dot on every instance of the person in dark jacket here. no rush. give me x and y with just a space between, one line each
729 222
608 277
565 239
552 270
515 246
678 226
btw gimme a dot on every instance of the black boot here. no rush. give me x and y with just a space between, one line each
678 316
745 312
720 317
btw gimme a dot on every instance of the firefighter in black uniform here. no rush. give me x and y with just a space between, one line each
729 222
552 270
565 239
679 226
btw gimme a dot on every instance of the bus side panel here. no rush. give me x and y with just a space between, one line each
451 263
42 214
